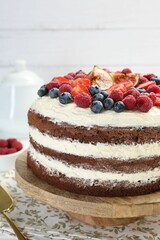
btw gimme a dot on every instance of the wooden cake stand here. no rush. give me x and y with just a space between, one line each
100 211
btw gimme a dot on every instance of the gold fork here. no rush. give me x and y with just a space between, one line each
6 203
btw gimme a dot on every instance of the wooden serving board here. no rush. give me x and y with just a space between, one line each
102 211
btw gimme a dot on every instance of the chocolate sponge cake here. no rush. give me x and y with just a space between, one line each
79 145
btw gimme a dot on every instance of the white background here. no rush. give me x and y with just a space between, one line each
57 36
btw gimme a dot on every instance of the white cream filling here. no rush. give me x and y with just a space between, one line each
74 115
54 165
100 150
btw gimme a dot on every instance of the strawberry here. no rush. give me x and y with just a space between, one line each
145 85
79 89
3 143
83 100
69 77
81 81
61 80
123 86
18 145
157 102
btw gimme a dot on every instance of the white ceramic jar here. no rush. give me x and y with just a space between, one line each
17 91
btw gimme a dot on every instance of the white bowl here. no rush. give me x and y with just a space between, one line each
7 162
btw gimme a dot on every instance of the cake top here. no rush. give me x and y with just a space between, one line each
102 90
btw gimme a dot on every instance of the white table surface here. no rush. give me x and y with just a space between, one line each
40 221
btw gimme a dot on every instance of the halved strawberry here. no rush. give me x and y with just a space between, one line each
79 89
81 81
145 85
61 79
157 102
124 85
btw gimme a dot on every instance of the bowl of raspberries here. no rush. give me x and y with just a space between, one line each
9 150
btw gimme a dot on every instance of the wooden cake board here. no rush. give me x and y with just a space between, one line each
99 211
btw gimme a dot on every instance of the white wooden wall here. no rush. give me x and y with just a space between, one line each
56 36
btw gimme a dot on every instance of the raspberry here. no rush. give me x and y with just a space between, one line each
149 75
52 84
129 102
133 91
144 103
69 77
18 145
152 96
11 150
126 70
142 79
116 95
3 143
83 100
10 141
3 150
153 88
71 74
65 87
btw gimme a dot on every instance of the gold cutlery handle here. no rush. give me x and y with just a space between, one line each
14 227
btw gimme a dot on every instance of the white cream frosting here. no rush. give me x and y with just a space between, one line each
74 115
55 165
100 150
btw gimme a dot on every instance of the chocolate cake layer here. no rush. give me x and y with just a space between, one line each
111 135
96 189
104 164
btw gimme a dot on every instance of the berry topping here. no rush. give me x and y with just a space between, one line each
3 143
69 77
53 93
153 97
93 89
65 87
3 150
11 150
18 145
132 91
129 102
108 103
52 84
116 95
98 97
61 80
126 70
96 106
83 100
65 98
141 90
119 107
156 79
81 81
104 93
144 103
149 75
42 91
10 141
153 88
80 75
142 79
145 85
79 89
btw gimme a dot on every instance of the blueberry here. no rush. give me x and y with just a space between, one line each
96 106
155 79
42 91
104 93
98 97
65 98
119 106
93 89
79 72
108 103
141 90
53 93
